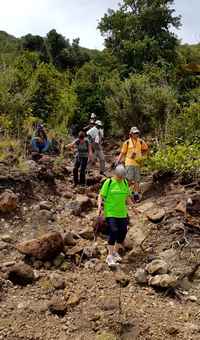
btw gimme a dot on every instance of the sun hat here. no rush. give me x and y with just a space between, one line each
134 129
98 123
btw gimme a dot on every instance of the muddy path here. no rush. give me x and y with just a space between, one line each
75 295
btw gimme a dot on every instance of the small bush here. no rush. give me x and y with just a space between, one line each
181 159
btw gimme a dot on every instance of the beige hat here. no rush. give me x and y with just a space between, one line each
134 129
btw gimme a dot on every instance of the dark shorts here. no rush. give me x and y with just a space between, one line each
117 230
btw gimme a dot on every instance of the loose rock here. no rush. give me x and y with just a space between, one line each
45 205
157 267
21 274
57 281
73 300
57 262
164 281
105 336
141 276
57 306
44 248
8 201
69 239
80 205
87 234
156 216
122 279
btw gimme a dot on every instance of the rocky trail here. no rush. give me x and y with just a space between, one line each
54 282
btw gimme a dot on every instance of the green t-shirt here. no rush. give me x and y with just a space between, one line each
115 194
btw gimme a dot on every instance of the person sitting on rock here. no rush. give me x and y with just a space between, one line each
40 142
82 154
114 195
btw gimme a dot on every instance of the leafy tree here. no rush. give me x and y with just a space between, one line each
139 101
35 43
89 87
139 32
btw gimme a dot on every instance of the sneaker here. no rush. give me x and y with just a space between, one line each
117 257
110 260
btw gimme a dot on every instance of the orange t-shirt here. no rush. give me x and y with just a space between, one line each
133 146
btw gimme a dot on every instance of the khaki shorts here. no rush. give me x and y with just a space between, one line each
133 173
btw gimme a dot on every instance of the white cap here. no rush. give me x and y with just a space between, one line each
134 129
99 123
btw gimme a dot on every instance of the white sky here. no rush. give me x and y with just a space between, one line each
79 18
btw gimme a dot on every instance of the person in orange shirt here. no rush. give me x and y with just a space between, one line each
133 150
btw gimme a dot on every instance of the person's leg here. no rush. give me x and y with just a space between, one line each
112 237
34 145
41 147
83 163
101 157
121 235
75 170
133 177
91 163
136 184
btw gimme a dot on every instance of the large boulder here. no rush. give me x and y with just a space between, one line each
21 274
156 215
8 201
157 267
44 248
164 281
80 205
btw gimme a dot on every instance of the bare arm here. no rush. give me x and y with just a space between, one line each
100 202
121 157
70 146
130 202
90 152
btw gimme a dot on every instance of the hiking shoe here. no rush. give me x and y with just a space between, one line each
117 257
110 260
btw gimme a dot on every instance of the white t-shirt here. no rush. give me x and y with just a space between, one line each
96 134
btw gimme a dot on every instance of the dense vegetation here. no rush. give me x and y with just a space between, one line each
143 77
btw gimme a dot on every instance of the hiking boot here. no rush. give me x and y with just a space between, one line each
117 257
110 260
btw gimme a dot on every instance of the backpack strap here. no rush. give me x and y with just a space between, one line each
126 182
109 184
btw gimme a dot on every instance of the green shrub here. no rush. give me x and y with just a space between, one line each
185 126
182 159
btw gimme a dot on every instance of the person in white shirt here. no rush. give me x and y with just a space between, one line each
95 135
